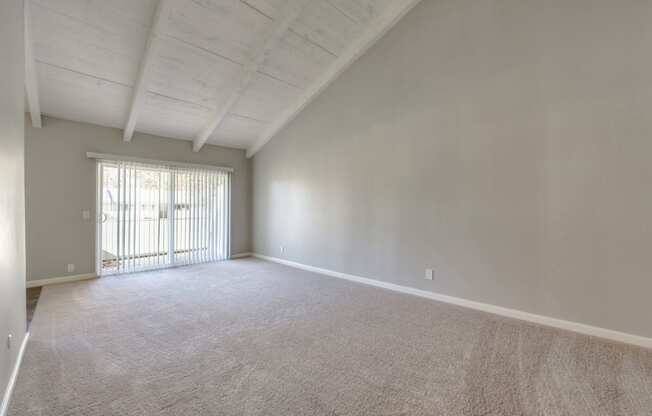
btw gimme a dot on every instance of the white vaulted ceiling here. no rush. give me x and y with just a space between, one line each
227 72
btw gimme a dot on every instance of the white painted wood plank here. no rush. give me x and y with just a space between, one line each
149 55
72 96
217 62
266 43
109 51
324 25
374 31
296 61
270 8
236 131
108 15
265 98
191 74
31 77
228 28
169 117
361 11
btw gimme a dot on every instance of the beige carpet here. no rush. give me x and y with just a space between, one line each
248 337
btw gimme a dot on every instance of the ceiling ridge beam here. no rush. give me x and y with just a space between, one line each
31 78
290 13
376 30
140 88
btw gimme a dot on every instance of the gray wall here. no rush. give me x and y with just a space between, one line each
12 190
506 143
60 184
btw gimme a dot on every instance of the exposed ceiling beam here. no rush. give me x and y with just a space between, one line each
376 29
31 79
290 13
140 88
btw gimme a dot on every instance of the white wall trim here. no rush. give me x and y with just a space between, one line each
485 307
63 279
241 255
12 380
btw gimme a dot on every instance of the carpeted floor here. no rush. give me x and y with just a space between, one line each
248 337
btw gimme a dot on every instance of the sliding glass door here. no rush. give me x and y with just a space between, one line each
154 216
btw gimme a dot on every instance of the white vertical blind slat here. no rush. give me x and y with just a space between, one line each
159 216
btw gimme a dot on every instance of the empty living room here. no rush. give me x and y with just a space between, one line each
326 207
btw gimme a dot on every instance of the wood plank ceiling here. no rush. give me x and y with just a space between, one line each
227 72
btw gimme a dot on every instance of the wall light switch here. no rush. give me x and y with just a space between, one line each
86 214
429 274
9 339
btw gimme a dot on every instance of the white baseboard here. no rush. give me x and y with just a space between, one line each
64 279
485 307
4 407
240 255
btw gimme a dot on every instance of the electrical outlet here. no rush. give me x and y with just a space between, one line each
71 268
9 339
429 274
282 249
86 214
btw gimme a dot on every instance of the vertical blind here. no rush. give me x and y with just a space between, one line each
155 216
